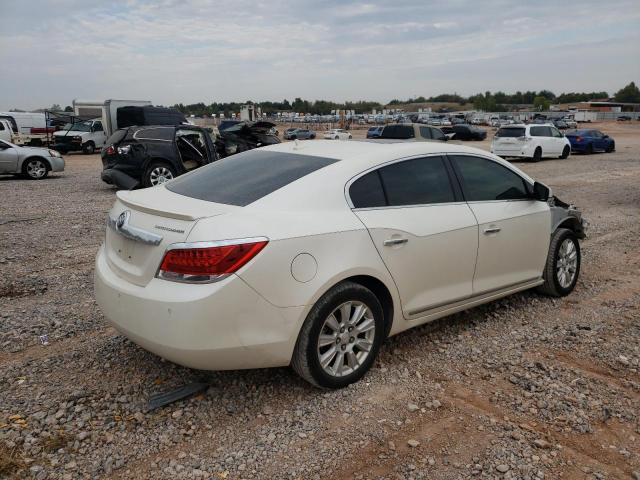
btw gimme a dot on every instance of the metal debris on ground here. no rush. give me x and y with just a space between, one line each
161 399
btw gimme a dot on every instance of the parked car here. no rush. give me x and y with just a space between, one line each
571 123
6 130
533 142
226 124
244 136
337 134
560 124
624 118
150 155
374 132
412 132
31 162
590 141
87 137
467 132
263 261
300 134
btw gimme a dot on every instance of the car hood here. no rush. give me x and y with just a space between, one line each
33 151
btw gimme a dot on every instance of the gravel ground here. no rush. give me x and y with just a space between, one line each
527 387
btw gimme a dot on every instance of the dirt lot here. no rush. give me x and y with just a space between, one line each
526 387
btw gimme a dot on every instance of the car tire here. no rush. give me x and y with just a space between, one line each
333 320
89 148
589 149
336 138
565 152
562 268
158 173
611 147
35 168
537 155
350 137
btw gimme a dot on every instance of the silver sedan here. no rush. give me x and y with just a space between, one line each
31 162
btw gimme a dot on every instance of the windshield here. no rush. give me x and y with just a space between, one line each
510 132
78 127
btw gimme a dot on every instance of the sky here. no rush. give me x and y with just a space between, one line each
187 51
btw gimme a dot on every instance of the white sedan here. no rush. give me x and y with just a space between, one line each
312 254
337 134
33 163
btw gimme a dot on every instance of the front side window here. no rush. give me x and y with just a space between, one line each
97 127
437 134
486 180
555 132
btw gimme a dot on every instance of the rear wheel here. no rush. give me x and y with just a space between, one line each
589 149
158 173
565 152
537 155
563 264
340 337
35 169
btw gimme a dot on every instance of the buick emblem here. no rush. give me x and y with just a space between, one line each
122 220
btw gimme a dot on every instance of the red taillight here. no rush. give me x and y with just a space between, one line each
578 139
111 150
207 263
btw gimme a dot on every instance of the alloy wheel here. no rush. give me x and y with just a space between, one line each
36 169
567 263
346 338
160 175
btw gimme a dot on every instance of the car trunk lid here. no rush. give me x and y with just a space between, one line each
142 224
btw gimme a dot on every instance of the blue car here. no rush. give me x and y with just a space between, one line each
589 141
374 132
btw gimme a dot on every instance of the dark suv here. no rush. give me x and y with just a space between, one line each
151 155
465 132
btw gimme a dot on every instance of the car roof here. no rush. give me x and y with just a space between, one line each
323 188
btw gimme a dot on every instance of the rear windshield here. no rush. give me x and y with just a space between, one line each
117 136
246 177
510 132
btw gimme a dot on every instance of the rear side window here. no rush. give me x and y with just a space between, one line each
367 192
158 133
540 132
511 132
246 177
437 134
486 180
398 132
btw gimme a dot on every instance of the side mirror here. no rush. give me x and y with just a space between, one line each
540 192
606 136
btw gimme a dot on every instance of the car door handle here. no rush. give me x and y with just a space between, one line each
395 241
490 230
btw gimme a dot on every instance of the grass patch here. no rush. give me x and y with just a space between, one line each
10 460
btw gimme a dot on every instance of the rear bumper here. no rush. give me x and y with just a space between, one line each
217 326
518 151
118 179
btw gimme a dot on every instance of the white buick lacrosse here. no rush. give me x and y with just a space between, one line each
311 255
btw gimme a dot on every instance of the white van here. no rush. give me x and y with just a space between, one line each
530 141
6 130
23 122
87 136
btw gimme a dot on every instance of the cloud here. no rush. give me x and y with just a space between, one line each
199 50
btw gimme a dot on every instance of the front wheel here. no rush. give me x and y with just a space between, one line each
158 173
563 264
565 152
35 169
340 337
611 147
88 148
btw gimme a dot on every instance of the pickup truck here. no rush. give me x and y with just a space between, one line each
87 137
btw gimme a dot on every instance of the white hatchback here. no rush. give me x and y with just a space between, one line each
533 142
312 254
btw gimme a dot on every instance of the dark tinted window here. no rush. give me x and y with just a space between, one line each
158 133
488 180
417 182
511 132
1 126
97 127
366 192
425 132
540 132
246 177
399 132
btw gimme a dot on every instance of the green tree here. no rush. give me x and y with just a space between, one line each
68 108
628 94
541 103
